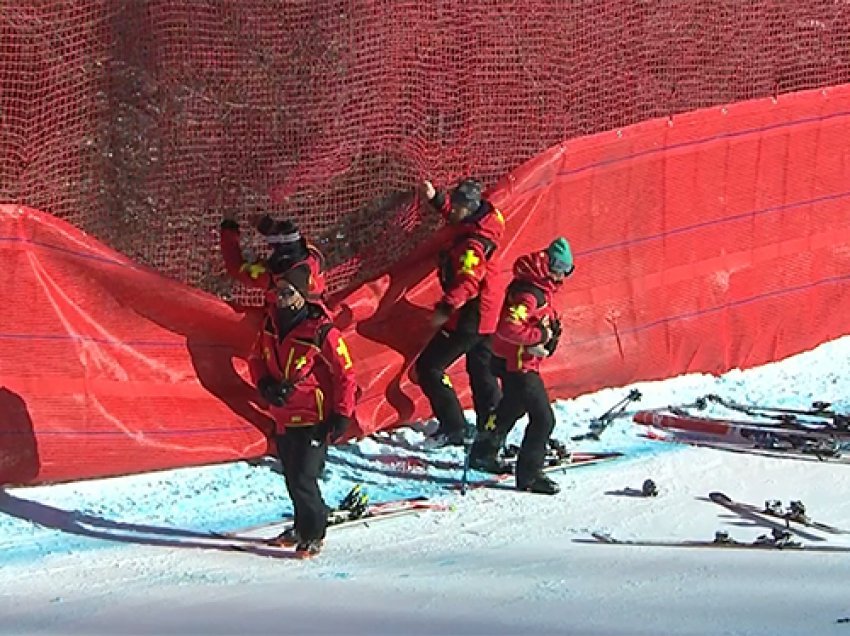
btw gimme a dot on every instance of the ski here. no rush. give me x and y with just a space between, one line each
684 421
265 544
737 443
721 541
414 464
574 460
411 463
337 518
795 513
221 543
818 410
267 550
397 440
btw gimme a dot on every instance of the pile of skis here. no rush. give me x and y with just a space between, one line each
817 433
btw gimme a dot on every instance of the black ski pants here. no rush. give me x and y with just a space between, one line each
439 354
303 460
524 392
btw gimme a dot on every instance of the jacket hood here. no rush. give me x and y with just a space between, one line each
534 268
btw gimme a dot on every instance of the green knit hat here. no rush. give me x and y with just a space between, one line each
560 256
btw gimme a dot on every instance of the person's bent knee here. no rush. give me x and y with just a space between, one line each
428 374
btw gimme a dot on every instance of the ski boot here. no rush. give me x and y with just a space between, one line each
308 549
539 484
649 489
484 454
286 539
489 463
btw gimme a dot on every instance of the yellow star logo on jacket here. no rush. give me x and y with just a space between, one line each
518 313
468 262
254 269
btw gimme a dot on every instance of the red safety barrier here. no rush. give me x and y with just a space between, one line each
713 240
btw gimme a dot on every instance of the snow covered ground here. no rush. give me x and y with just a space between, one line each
117 556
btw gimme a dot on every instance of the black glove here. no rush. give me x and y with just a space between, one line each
554 339
272 391
333 428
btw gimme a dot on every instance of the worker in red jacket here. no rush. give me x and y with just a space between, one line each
468 311
307 377
528 333
288 249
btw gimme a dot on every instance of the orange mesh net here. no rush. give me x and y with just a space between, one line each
142 122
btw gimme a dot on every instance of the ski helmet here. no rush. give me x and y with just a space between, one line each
467 194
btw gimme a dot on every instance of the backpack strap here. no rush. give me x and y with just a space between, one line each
488 245
322 334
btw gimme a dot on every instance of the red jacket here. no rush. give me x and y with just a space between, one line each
468 270
527 301
315 359
257 274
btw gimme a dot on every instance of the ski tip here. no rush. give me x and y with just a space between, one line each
719 497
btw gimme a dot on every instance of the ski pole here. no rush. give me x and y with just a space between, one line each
599 424
818 409
468 441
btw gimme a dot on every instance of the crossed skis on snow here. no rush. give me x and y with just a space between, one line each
779 538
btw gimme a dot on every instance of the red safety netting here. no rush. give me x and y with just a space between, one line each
141 122
713 240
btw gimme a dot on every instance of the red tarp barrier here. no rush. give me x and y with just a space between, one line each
713 240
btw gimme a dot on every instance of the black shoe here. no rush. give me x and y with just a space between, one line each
308 549
287 538
489 464
539 484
